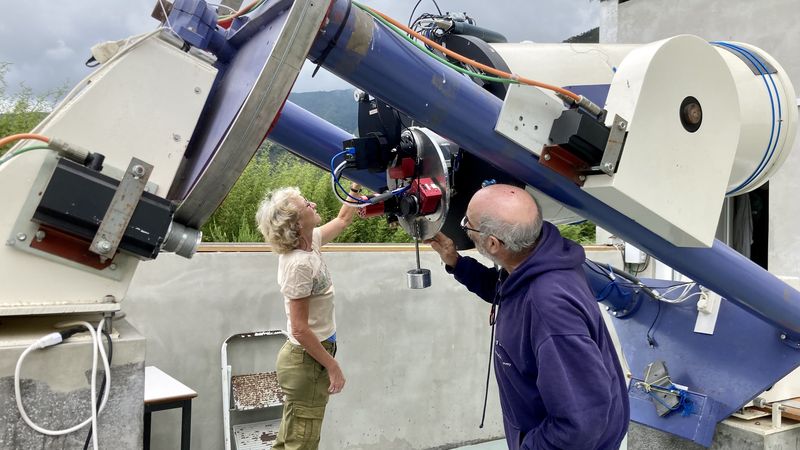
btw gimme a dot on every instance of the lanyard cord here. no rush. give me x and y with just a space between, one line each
492 322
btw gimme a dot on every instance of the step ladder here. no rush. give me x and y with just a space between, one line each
252 401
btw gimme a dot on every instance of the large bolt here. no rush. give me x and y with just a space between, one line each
137 171
104 246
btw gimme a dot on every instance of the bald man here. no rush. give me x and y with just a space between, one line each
560 382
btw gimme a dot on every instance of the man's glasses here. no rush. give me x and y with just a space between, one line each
464 222
464 226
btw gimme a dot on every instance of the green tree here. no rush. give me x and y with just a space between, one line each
22 111
273 168
582 233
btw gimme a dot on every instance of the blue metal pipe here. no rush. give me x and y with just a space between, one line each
380 62
317 140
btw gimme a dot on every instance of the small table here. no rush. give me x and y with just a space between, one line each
161 392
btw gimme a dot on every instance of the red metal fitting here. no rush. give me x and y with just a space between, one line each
403 170
368 211
429 195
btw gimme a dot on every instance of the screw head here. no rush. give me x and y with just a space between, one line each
582 177
622 125
547 156
40 235
608 166
104 246
137 171
783 336
112 266
22 237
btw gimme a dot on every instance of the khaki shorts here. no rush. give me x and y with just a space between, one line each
304 383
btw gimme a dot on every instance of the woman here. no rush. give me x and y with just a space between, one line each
307 370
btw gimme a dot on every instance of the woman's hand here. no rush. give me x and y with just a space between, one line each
337 379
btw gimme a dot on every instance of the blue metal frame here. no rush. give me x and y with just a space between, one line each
744 357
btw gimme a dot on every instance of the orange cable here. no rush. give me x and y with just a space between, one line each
18 137
226 22
476 64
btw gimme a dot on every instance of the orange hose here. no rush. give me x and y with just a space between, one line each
476 64
226 22
19 137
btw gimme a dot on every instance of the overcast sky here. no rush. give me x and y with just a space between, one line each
50 51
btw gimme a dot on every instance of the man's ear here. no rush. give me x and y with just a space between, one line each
494 245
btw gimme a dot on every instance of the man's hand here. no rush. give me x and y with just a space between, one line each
445 247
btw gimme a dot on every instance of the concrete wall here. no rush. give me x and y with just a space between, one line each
773 26
415 361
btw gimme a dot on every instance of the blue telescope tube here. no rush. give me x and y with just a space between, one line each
378 61
317 140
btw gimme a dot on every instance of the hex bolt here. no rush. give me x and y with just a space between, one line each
40 235
137 171
104 246
622 125
547 156
608 166
22 237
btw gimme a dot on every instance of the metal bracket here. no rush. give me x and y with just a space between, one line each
121 209
613 150
790 340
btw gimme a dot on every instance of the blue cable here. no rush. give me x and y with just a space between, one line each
347 151
771 145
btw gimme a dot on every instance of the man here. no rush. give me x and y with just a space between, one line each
560 382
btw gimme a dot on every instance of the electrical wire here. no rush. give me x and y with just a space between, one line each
651 340
225 21
5 158
18 137
102 385
96 347
511 78
430 53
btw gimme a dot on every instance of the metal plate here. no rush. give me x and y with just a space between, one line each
433 151
121 209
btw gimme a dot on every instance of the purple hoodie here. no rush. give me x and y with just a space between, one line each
561 385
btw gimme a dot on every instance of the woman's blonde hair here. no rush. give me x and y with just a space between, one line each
278 219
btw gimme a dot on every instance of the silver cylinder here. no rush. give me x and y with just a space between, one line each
418 278
182 240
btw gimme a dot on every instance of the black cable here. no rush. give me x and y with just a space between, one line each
412 13
110 354
651 340
437 7
492 322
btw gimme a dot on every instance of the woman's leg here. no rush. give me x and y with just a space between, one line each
304 383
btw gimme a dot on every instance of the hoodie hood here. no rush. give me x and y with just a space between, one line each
553 252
